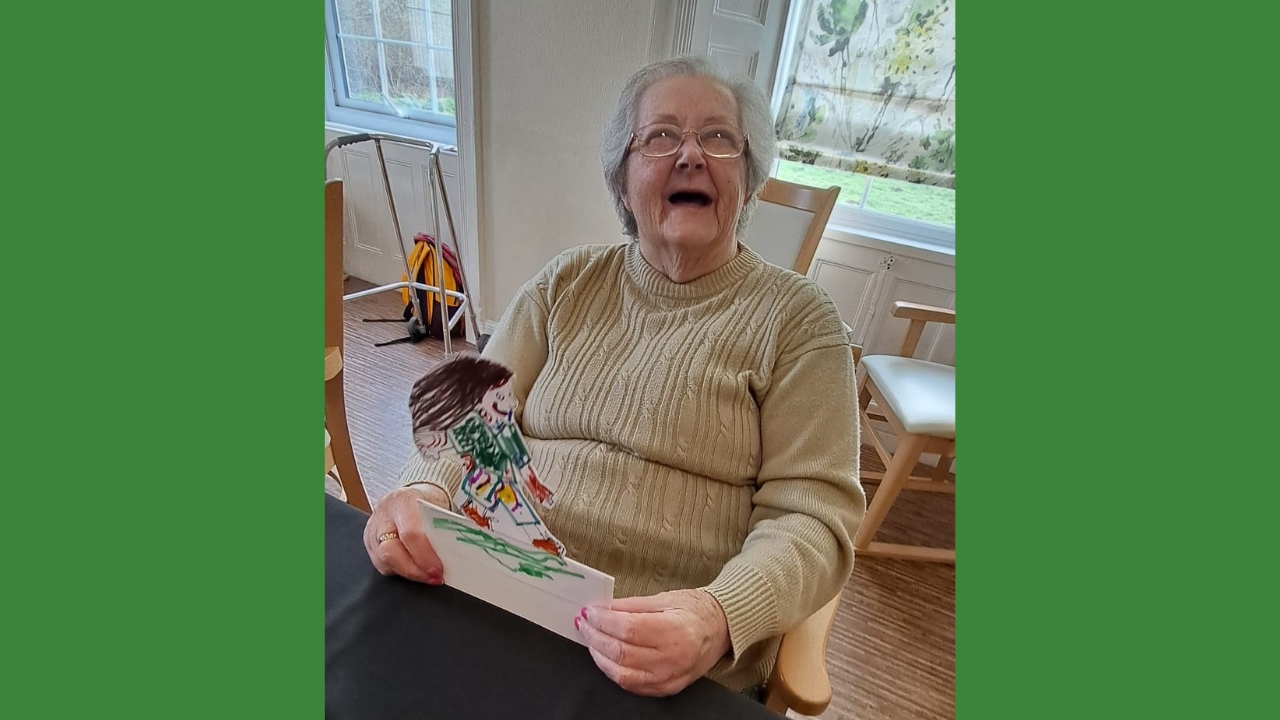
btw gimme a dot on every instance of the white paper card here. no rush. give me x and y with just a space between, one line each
538 586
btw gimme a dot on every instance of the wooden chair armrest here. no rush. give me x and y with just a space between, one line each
332 363
799 680
328 452
928 313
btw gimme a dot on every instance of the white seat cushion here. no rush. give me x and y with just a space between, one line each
922 394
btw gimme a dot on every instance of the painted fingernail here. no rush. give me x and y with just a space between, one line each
433 577
584 613
576 620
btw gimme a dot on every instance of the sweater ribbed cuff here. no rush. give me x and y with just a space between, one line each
424 484
749 603
444 473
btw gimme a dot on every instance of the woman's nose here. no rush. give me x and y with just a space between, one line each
689 156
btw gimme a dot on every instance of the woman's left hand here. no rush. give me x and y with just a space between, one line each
656 645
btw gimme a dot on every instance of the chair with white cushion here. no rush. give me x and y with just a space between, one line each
917 400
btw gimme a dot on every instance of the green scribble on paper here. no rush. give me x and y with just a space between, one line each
533 563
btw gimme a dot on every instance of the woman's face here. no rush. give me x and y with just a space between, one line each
689 200
499 399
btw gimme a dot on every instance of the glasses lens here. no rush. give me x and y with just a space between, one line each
720 141
658 139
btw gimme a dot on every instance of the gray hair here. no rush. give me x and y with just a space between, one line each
753 114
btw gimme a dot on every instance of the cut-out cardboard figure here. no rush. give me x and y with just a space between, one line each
467 403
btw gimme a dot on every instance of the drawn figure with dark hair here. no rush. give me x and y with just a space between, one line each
466 403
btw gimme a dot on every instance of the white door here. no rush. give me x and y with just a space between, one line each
742 36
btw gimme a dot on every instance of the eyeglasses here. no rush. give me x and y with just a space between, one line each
662 140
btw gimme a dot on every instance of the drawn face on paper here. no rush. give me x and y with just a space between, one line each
500 400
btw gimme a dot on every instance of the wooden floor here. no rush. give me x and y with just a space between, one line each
892 651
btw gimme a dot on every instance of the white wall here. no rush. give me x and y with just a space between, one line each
550 72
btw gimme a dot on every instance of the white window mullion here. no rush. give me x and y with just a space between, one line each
382 55
431 56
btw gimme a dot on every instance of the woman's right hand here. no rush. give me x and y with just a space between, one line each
408 554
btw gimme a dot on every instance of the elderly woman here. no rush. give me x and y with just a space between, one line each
693 405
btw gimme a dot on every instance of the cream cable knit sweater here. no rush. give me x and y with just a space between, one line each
702 435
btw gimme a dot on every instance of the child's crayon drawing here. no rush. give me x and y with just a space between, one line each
540 587
467 404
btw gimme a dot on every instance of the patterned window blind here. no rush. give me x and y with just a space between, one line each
871 89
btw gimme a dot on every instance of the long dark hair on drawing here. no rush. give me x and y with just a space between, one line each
452 389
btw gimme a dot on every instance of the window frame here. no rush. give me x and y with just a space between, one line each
365 116
861 220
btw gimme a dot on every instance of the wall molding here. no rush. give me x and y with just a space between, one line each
672 31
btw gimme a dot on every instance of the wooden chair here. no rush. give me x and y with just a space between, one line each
788 223
917 399
799 679
338 450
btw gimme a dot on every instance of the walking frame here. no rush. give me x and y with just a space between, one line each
418 323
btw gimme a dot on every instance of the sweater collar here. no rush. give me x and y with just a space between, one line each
650 280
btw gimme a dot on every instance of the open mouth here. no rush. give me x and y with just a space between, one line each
690 198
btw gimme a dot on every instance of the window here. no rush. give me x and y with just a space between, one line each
866 101
389 67
864 198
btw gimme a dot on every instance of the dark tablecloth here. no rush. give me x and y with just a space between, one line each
399 649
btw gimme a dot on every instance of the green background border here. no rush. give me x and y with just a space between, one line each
164 320
1109 362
